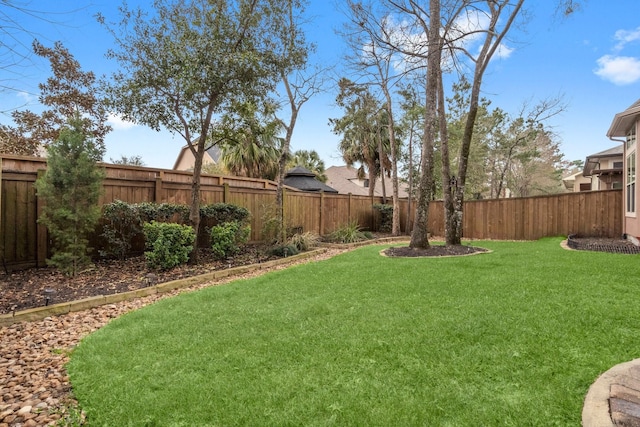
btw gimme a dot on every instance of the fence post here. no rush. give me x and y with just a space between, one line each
349 209
321 221
284 209
157 193
225 193
42 242
374 219
2 234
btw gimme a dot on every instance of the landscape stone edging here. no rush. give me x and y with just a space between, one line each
365 242
39 313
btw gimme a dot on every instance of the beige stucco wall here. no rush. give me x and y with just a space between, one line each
572 183
631 223
187 161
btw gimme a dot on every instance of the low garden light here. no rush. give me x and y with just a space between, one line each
48 295
150 279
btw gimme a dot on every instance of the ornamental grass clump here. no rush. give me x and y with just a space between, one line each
304 241
349 233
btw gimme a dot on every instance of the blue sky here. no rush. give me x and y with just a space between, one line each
592 59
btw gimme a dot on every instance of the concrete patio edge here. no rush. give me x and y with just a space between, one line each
596 411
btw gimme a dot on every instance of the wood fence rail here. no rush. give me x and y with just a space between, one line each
24 242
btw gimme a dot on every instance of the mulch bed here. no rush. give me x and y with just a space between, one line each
433 251
602 244
21 290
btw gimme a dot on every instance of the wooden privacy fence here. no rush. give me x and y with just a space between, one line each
24 243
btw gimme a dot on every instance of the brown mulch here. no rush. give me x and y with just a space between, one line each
21 290
433 251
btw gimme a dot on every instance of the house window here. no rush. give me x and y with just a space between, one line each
631 137
617 165
631 183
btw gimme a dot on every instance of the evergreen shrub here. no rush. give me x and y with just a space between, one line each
70 189
227 238
168 245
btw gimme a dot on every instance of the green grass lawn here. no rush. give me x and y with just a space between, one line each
514 337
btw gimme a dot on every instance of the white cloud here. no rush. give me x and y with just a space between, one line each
626 36
469 27
620 70
27 97
119 123
467 33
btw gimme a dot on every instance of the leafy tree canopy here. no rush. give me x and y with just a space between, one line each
69 92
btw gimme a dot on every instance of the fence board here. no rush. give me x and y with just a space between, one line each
10 221
597 213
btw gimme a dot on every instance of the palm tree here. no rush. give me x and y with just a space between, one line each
254 156
363 140
309 160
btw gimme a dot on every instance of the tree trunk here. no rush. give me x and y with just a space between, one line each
458 189
395 219
281 233
371 171
448 180
420 235
410 199
282 164
491 44
194 213
380 154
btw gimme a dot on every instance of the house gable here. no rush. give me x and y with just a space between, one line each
186 161
624 129
345 180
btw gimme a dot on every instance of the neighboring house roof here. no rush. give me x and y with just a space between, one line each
305 180
186 161
592 164
623 121
569 181
345 180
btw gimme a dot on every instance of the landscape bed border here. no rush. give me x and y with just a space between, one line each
573 241
39 313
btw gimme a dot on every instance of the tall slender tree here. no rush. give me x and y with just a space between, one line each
359 130
411 123
369 38
501 16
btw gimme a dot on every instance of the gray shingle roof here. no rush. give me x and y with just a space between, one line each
305 180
